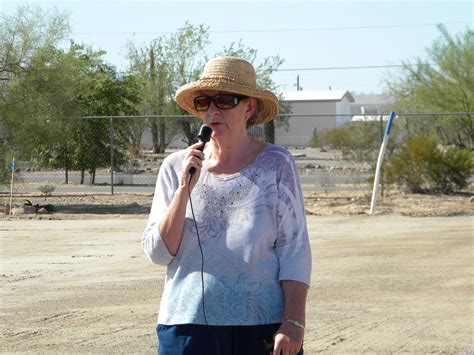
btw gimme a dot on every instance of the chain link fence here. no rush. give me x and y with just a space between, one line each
110 155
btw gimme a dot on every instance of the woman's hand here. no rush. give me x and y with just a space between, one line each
193 159
288 339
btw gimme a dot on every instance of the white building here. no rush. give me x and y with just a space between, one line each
313 111
372 104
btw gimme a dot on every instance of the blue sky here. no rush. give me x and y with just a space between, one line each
306 34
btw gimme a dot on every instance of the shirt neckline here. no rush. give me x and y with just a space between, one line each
239 173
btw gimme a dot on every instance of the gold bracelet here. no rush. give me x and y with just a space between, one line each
294 322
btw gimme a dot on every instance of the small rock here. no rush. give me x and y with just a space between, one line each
471 200
17 211
43 210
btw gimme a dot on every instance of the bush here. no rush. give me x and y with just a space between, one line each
420 165
451 170
357 141
46 188
5 159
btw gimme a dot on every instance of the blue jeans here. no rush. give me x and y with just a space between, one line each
194 339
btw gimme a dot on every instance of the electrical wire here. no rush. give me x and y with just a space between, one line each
200 249
288 30
202 267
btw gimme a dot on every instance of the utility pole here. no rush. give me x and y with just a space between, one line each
298 87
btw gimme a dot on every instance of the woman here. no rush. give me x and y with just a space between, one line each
233 235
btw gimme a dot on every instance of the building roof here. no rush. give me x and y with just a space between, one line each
323 95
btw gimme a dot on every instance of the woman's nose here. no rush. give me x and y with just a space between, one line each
213 109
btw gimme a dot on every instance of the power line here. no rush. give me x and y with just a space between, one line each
404 114
340 28
351 67
285 29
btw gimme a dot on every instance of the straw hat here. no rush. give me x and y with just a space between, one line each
231 74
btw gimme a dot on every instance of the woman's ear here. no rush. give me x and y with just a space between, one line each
251 108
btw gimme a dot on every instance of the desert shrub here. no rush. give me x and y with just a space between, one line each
4 164
358 141
420 165
6 155
451 170
46 188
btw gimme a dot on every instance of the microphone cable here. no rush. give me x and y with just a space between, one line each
202 266
202 254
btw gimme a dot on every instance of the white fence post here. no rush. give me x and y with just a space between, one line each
383 147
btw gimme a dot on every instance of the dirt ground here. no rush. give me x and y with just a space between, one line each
355 202
387 283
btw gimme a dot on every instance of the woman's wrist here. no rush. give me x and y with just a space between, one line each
295 322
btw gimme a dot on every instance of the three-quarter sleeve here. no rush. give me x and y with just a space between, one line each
153 245
292 243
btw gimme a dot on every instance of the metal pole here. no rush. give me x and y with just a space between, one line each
380 161
111 120
381 140
12 165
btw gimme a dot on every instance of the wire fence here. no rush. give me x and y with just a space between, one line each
123 154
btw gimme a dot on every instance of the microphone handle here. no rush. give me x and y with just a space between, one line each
192 171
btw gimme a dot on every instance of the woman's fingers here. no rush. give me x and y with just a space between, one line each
288 340
195 151
193 160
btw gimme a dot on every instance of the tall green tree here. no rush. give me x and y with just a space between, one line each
48 87
443 82
151 66
36 102
25 33
187 53
28 42
162 66
103 92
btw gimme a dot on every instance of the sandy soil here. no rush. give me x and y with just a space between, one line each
381 284
127 205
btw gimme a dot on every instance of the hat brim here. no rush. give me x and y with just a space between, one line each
267 108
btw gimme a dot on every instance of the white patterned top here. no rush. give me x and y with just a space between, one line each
253 233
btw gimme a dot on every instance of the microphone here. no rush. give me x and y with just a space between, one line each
204 135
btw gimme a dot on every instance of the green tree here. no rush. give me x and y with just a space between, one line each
27 46
25 33
103 92
187 54
163 66
5 157
37 102
444 82
55 86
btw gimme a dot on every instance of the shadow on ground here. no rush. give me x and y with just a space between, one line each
124 209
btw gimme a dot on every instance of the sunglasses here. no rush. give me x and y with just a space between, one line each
222 101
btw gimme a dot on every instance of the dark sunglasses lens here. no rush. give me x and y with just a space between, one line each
201 103
225 102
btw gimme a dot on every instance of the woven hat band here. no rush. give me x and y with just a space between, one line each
232 69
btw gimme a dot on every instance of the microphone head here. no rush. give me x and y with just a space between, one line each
204 133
